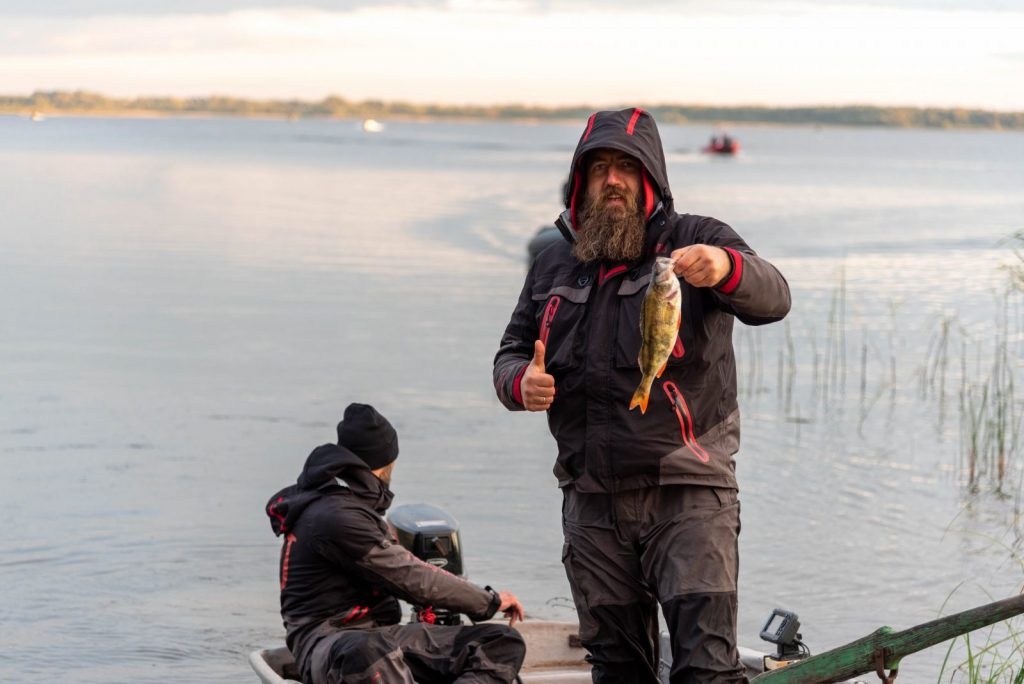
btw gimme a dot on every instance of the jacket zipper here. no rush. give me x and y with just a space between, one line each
286 556
549 316
685 418
678 351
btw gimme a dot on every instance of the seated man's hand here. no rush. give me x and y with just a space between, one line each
511 607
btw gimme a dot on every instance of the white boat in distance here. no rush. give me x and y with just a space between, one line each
372 126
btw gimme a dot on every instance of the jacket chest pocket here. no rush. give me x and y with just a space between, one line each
629 336
559 315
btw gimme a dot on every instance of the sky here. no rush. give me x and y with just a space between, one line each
921 53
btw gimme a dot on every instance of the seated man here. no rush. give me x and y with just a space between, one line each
342 575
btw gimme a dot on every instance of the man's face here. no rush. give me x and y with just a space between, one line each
611 220
613 180
384 474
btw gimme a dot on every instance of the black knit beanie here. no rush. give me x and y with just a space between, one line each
368 435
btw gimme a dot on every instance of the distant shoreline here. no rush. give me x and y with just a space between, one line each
80 103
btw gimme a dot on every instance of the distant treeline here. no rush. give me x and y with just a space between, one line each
80 102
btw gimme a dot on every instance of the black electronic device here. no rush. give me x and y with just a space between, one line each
432 535
782 628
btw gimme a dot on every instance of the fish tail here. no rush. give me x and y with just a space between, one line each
640 398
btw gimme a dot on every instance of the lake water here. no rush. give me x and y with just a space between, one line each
186 306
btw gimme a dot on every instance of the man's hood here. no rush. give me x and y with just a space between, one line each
632 131
329 470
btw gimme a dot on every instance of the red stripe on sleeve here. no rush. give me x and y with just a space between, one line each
737 272
517 392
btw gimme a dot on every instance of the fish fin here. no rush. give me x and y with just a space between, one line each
639 399
662 369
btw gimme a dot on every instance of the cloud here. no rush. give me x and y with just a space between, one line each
502 51
97 8
61 9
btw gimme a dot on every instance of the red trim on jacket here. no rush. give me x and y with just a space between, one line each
286 555
649 195
273 513
603 275
549 316
590 125
572 197
685 417
730 285
354 613
517 392
678 350
550 310
632 121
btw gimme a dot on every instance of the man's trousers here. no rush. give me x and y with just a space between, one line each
627 553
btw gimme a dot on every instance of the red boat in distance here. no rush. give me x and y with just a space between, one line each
722 144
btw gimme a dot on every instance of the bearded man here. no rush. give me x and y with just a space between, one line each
650 513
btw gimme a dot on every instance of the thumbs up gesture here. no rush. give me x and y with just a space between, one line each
537 387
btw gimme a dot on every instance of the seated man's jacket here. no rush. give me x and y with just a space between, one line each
339 567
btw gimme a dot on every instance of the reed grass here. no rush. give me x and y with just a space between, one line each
990 418
987 663
969 373
998 659
835 351
981 391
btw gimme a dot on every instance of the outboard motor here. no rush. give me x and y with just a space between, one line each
432 535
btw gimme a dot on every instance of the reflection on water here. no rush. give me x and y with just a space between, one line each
188 305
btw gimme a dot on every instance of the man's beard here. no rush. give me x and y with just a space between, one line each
610 233
384 474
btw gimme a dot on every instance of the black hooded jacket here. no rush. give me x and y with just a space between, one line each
588 316
339 568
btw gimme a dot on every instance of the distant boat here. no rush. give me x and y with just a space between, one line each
36 116
722 144
372 126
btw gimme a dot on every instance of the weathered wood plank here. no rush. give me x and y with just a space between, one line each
859 657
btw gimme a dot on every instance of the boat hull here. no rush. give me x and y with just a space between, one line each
554 655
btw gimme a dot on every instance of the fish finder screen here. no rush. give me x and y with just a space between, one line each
774 625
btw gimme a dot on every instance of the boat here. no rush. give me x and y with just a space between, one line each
554 655
722 144
37 115
372 126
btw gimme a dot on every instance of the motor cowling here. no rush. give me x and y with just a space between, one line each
432 535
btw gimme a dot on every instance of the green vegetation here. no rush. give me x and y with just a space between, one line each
86 103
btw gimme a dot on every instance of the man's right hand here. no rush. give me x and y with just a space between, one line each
511 607
537 387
